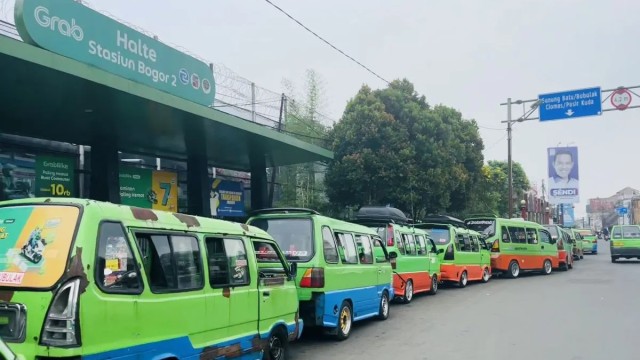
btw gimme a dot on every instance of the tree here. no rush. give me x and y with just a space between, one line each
391 147
302 185
492 195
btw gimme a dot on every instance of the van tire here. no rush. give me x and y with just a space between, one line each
277 345
614 259
565 266
547 267
434 285
408 292
464 279
486 275
345 321
383 312
514 270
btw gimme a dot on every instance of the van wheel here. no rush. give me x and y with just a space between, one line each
277 347
408 292
345 321
383 313
547 267
464 279
485 275
434 285
565 266
614 259
514 269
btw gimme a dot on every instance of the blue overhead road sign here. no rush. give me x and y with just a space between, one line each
570 104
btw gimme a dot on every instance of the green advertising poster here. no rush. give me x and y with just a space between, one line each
146 188
76 31
55 176
135 185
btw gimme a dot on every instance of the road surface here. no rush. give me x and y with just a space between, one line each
590 312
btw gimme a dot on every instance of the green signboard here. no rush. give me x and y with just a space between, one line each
55 176
148 188
73 30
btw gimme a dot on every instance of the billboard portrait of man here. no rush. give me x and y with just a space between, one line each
564 181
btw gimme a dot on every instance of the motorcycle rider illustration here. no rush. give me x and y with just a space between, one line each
34 247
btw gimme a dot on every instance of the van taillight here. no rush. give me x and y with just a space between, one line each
313 278
61 324
390 235
595 241
496 246
394 263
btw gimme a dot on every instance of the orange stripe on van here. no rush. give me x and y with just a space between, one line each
527 262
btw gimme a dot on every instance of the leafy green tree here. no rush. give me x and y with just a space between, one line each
391 147
302 185
492 195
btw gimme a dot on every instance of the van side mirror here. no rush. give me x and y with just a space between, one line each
553 241
293 271
440 251
393 255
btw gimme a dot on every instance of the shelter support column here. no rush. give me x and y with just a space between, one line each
258 167
198 182
105 171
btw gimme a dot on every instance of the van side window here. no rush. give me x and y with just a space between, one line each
518 235
475 246
329 246
228 264
400 244
172 262
532 236
116 270
365 249
379 251
421 245
410 244
348 246
459 242
545 237
505 235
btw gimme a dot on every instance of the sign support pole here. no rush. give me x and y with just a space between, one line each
509 160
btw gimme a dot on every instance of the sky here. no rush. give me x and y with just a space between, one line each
470 55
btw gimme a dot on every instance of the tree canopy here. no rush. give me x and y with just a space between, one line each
392 147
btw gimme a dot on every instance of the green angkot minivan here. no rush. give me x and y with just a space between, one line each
625 242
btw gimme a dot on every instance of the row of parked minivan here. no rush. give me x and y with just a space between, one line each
80 278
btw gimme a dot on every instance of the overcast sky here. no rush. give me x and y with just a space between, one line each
470 55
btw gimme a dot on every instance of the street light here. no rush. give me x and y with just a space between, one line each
546 217
525 117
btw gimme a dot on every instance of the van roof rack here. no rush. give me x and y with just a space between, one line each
444 219
380 214
291 210
484 215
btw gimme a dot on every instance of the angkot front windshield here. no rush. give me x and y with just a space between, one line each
294 236
34 244
486 227
440 236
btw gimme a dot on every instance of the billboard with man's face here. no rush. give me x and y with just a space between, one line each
563 175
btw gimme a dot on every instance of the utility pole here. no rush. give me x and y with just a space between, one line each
510 121
509 161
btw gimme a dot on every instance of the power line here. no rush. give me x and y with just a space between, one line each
328 43
491 128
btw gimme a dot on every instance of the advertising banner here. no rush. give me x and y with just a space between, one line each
35 243
563 175
148 188
568 216
55 176
227 198
76 31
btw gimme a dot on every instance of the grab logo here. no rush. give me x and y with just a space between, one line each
64 27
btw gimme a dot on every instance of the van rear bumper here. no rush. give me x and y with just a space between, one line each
625 252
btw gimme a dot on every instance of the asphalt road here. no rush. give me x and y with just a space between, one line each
590 312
